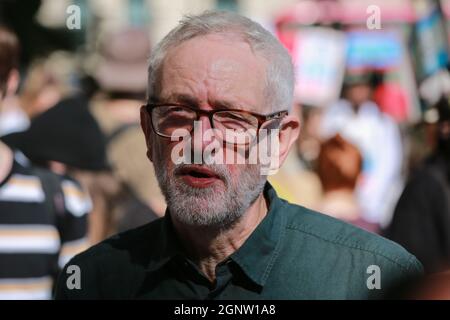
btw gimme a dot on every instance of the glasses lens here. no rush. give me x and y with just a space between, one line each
236 127
167 119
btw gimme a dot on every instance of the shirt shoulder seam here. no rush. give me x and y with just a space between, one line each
296 228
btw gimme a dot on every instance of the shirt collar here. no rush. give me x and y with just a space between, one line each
169 245
255 257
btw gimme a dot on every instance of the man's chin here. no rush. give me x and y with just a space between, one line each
205 217
207 203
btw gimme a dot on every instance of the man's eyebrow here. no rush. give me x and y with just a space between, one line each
223 104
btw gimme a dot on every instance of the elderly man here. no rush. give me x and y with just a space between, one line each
226 234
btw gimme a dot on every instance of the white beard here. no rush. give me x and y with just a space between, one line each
218 206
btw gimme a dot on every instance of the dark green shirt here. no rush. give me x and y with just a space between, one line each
294 253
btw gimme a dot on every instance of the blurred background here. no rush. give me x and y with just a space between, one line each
372 94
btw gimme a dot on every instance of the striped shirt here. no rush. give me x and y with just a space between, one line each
35 243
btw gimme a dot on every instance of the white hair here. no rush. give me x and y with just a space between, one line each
280 73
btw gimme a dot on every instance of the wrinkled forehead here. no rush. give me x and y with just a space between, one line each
215 67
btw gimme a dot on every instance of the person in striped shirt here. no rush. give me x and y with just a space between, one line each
43 216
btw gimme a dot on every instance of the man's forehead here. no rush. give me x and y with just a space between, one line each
226 45
222 66
214 53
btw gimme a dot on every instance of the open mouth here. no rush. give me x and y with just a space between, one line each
198 176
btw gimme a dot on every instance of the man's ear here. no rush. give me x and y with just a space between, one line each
289 132
147 129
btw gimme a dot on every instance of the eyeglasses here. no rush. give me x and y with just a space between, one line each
166 118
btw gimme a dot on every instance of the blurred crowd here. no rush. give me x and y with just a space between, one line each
374 149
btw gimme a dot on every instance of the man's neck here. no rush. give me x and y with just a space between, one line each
6 160
209 246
